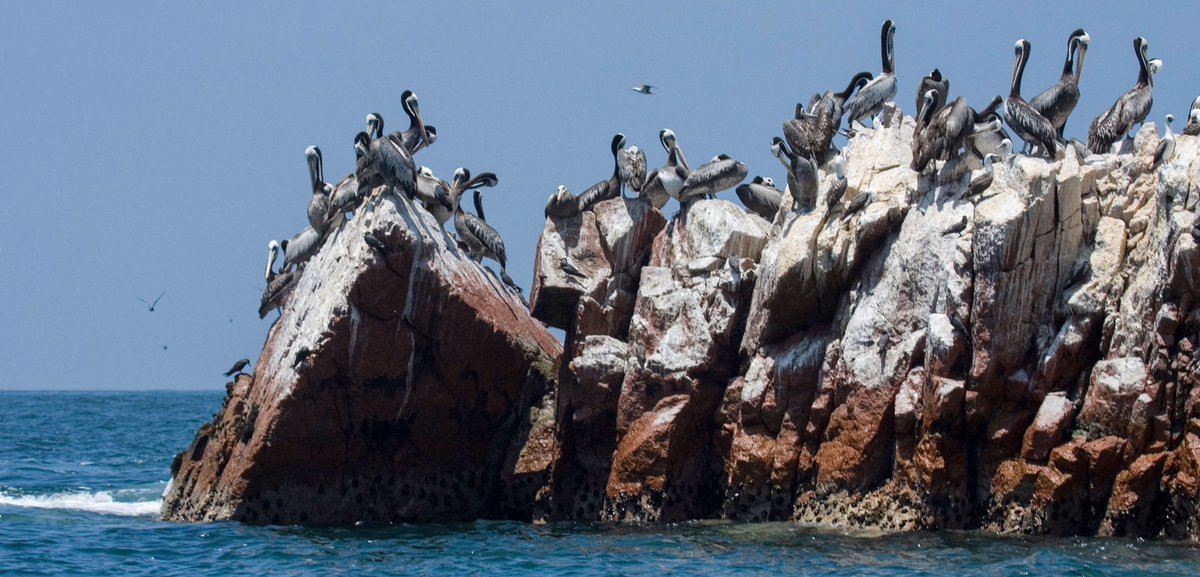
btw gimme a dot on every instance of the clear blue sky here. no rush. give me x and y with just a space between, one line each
159 146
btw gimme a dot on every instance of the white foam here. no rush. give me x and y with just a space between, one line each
99 502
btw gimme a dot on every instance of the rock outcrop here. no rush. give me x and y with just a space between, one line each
1019 362
400 386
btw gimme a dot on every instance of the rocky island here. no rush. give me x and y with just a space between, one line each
1019 361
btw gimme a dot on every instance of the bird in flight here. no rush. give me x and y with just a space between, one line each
153 304
643 88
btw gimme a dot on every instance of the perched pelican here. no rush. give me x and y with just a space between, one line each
1057 102
417 134
394 163
1193 125
673 174
279 286
721 173
987 131
870 100
605 189
238 367
300 248
802 175
983 181
496 253
434 194
811 133
1032 127
761 197
480 238
318 207
631 166
837 190
944 133
1166 148
442 206
643 89
374 126
933 82
562 204
1130 109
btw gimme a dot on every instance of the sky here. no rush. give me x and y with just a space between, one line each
159 146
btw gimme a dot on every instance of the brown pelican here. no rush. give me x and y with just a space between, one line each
761 197
943 134
673 174
1166 148
1130 109
721 173
495 249
480 238
983 181
1032 127
417 135
933 82
318 207
279 286
987 131
631 166
605 189
870 100
1057 102
394 163
238 367
434 194
643 89
802 175
562 204
811 133
300 248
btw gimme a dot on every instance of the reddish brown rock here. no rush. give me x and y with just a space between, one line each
390 389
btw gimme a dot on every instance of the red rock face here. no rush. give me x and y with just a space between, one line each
390 389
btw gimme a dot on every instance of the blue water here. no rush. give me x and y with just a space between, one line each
81 475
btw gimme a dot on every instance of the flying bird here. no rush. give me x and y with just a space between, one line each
643 89
153 304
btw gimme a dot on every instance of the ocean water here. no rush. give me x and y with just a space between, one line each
81 475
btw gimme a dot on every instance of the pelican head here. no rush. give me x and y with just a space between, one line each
425 172
486 179
461 176
767 181
780 150
412 108
1081 40
315 174
361 144
1154 66
618 142
374 125
936 75
562 190
667 137
272 254
1194 116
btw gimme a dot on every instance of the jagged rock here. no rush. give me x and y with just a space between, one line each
1048 428
391 388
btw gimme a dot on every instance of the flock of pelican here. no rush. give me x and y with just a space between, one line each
383 165
945 130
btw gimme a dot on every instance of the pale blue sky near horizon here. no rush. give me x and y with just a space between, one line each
154 146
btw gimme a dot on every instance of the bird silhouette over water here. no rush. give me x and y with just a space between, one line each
643 89
153 304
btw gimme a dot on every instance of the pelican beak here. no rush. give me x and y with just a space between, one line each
1083 48
420 122
679 153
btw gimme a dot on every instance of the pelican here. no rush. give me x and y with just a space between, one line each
987 132
721 173
416 136
631 166
433 193
837 189
761 197
605 189
802 175
869 101
1166 148
300 248
811 133
643 89
562 204
1057 102
673 174
1193 127
318 207
481 239
1130 109
279 286
933 82
1031 126
463 182
983 181
495 249
942 135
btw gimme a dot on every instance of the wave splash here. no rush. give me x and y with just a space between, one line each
102 502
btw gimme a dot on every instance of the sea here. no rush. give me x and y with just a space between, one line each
82 476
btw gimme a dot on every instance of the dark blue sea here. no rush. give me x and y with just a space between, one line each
82 474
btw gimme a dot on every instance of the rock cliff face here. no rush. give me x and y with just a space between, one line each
406 386
1023 361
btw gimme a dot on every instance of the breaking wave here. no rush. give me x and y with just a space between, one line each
127 503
